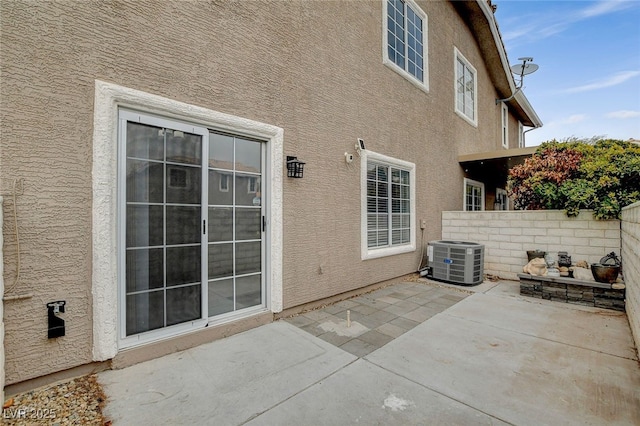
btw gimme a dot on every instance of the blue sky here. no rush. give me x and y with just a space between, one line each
588 83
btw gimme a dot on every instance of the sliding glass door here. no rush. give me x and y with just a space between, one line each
191 226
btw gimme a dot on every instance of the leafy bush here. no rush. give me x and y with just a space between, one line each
602 175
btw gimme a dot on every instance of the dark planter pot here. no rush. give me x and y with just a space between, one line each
532 254
605 273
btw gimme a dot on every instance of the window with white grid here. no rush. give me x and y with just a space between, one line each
405 35
389 212
473 195
465 89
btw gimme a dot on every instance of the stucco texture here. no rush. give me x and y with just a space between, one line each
312 68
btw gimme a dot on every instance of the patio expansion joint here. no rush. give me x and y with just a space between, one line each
437 391
635 350
256 415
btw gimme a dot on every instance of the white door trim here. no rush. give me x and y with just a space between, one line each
108 98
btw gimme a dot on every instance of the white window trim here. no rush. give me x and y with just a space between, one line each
520 135
504 130
506 197
458 55
422 85
468 181
108 99
374 253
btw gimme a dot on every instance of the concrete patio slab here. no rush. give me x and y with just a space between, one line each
493 357
225 382
366 394
512 375
596 329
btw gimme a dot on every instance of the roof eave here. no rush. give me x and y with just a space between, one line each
528 110
480 18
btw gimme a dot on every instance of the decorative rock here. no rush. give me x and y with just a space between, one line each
582 264
582 274
618 286
537 267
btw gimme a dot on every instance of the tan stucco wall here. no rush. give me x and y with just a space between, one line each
1 303
631 265
313 68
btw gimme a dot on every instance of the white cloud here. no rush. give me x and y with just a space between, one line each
610 81
623 114
554 22
576 118
572 119
604 7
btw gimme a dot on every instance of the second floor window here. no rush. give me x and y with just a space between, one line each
406 40
466 89
505 126
520 135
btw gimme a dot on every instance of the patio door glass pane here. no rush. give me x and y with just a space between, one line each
163 240
191 242
235 245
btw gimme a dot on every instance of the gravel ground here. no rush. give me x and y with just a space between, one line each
76 402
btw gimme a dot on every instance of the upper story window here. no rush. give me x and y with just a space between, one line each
466 89
405 40
388 206
505 126
520 135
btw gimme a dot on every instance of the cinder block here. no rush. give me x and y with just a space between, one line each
598 242
524 239
499 238
548 224
549 239
494 251
573 223
511 246
574 241
534 231
591 233
567 232
604 224
510 231
520 223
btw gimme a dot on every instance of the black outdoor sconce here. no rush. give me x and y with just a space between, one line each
295 167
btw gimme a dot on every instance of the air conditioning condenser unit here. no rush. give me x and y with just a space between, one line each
457 262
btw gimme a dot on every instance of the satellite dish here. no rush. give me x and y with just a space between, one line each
524 69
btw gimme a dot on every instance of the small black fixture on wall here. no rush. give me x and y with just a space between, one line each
295 167
56 324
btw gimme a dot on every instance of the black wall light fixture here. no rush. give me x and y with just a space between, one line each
295 167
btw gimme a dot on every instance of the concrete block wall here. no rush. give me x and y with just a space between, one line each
630 225
507 235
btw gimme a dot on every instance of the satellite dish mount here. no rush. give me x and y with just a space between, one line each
525 68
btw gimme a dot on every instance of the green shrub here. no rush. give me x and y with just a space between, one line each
603 175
